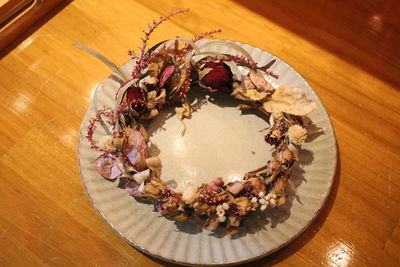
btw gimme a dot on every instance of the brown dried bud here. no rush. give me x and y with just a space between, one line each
286 155
243 204
154 188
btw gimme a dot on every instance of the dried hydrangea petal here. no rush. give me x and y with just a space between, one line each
108 167
135 149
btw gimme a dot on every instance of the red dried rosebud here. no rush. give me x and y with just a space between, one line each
134 94
219 78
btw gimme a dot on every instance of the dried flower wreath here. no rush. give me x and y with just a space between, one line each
163 75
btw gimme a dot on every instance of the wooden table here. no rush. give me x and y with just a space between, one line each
349 51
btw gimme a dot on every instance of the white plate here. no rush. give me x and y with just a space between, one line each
218 142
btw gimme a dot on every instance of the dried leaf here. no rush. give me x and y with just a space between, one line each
153 100
249 94
289 99
166 74
185 111
154 164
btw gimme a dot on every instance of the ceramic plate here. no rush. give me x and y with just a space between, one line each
220 141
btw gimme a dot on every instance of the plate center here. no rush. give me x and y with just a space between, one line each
220 141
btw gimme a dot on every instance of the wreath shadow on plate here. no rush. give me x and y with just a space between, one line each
256 221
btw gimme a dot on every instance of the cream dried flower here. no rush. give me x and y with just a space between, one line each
220 212
107 142
189 194
297 134
225 206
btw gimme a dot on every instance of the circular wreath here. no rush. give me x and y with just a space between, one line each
162 76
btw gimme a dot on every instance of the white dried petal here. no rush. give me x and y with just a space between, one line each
268 197
254 200
221 218
142 176
263 207
262 201
272 202
261 194
219 208
225 206
141 187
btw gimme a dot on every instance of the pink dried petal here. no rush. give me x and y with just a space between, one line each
108 167
236 188
133 189
166 74
260 83
135 149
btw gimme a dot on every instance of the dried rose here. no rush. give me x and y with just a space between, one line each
108 167
170 204
134 94
254 186
218 77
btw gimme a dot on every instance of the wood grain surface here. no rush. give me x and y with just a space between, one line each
349 51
